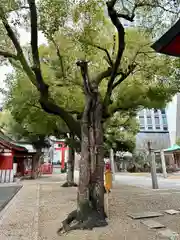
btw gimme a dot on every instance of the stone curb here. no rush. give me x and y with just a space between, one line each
9 202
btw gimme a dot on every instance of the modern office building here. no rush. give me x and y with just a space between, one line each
153 120
153 128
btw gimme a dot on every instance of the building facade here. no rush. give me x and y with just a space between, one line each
153 128
173 118
153 120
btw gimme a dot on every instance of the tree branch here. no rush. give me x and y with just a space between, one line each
17 46
98 79
18 9
48 105
123 109
84 71
129 70
130 16
52 108
34 105
121 46
8 55
111 3
59 55
114 45
124 75
155 5
109 60
42 87
117 109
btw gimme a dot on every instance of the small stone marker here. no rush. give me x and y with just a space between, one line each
144 215
168 234
152 224
171 212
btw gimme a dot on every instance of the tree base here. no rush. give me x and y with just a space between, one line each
75 221
106 191
69 184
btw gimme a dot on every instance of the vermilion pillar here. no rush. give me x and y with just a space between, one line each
62 150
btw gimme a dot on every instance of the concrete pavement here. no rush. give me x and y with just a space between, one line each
146 182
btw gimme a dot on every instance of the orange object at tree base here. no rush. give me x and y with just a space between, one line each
108 180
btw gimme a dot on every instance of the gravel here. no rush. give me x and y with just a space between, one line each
57 202
41 206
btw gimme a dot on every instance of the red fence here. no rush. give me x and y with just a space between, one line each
45 168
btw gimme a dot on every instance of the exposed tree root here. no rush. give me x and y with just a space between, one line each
69 184
76 221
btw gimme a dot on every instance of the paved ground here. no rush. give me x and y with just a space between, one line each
172 182
39 207
7 193
144 180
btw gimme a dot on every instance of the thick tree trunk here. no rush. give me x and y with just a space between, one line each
90 211
70 169
35 164
91 184
33 167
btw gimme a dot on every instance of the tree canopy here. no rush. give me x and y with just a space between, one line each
83 31
120 133
19 132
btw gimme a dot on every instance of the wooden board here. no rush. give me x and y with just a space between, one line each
152 224
172 211
140 215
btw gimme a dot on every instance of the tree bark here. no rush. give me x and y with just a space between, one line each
90 200
35 164
70 169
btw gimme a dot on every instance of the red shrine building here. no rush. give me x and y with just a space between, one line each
169 43
11 159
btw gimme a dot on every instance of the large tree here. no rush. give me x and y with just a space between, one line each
107 80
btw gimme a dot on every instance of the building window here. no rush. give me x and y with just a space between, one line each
157 121
141 120
142 127
155 111
164 120
149 120
163 111
158 127
165 128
